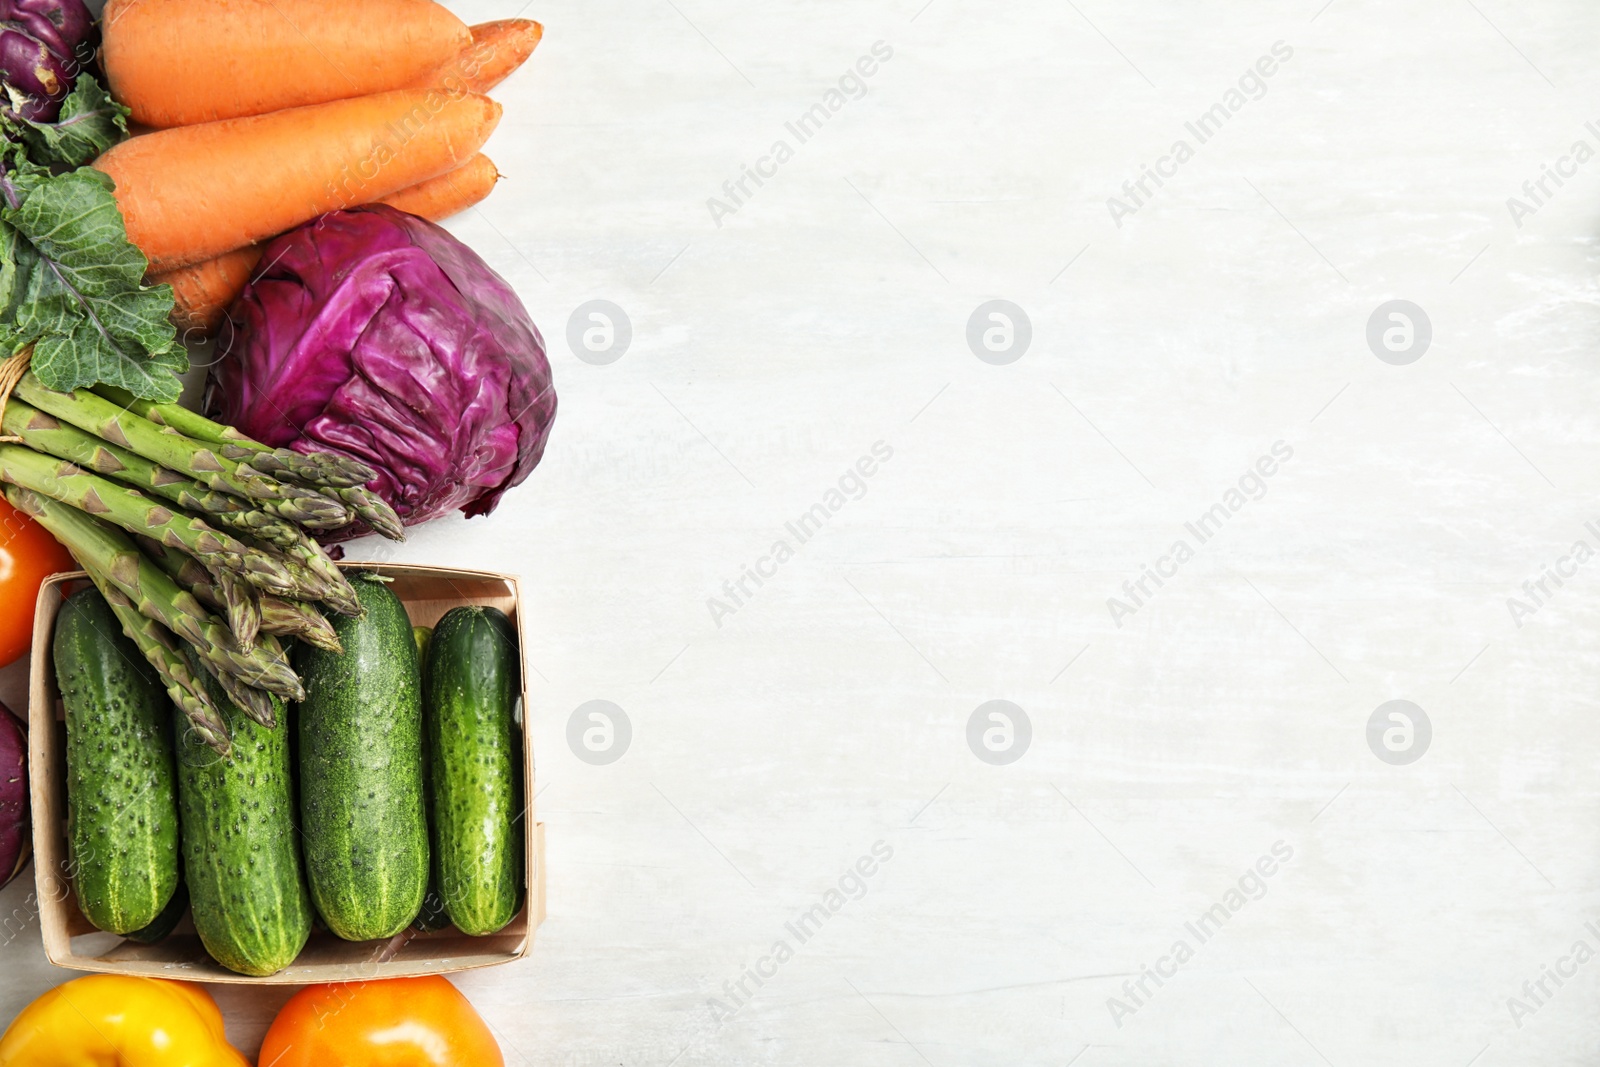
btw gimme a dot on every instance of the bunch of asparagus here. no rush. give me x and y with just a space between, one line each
198 537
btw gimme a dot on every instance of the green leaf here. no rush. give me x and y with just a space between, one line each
71 285
90 123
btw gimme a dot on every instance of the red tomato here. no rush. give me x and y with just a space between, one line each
28 555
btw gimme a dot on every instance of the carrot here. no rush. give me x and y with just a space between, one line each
496 49
204 290
194 192
177 62
448 194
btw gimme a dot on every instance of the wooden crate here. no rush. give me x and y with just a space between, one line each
70 941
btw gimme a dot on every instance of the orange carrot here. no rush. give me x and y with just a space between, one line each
177 62
194 192
496 49
448 194
204 290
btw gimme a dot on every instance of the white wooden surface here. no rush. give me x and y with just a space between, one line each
1229 714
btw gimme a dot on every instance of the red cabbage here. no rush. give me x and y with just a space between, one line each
376 334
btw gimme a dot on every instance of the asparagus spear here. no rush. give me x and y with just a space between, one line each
219 589
225 593
44 433
259 524
139 514
338 594
340 477
243 607
320 578
323 469
279 616
256 703
183 569
97 415
161 649
102 548
259 704
327 471
315 469
296 618
373 510
308 585
307 507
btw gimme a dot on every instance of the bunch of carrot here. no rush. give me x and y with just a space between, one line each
264 114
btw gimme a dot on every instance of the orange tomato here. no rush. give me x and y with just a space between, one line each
28 555
401 1022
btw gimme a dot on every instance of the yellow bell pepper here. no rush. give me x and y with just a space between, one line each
108 1020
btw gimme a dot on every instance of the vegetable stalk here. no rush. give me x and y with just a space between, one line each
152 639
158 646
318 576
296 618
163 445
219 589
138 514
279 616
316 469
340 477
287 618
372 509
44 433
103 549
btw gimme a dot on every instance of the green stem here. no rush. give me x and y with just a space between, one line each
158 646
164 445
44 433
106 550
314 469
296 618
137 513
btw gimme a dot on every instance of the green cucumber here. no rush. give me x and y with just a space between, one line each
361 779
162 925
241 856
432 916
122 811
473 668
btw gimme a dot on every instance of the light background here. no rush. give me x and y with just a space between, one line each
830 712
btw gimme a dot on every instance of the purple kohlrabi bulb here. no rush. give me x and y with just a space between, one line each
63 26
44 44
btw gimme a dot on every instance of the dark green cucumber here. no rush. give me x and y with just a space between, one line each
122 811
162 925
241 855
361 783
473 668
432 916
